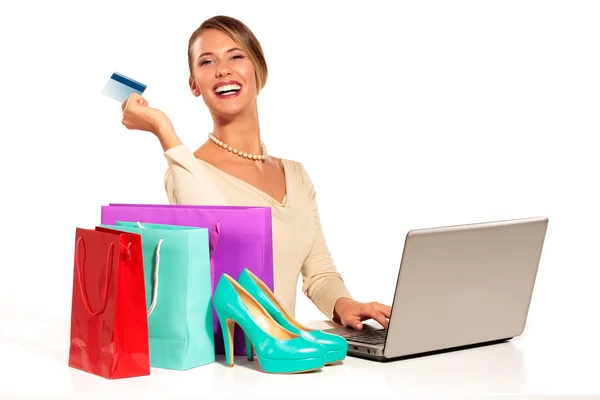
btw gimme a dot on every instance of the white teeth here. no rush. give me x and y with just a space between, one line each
226 88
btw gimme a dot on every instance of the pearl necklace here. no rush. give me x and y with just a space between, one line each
261 157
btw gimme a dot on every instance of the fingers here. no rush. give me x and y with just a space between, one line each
378 312
385 310
353 322
353 315
125 104
379 317
134 97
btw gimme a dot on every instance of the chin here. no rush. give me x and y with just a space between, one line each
231 110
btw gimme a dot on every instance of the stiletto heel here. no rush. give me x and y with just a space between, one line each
227 327
277 349
249 348
336 346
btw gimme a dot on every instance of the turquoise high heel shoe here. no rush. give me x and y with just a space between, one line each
336 346
278 350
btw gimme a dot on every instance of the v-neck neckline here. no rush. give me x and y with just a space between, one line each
285 203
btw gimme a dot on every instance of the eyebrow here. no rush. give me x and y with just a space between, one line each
210 54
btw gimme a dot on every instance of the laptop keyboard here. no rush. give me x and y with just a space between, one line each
369 337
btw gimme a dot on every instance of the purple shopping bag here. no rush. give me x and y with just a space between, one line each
244 236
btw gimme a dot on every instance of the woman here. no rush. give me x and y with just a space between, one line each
228 69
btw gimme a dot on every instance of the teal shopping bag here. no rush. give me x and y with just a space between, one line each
177 275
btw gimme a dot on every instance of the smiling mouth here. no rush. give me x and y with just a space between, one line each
227 90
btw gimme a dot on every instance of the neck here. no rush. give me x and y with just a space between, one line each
241 131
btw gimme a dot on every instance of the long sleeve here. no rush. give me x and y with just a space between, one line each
322 283
186 182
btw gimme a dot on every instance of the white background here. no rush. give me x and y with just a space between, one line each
406 115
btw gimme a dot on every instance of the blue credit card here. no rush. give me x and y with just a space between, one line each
120 87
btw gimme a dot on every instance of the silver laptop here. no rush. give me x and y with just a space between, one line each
458 287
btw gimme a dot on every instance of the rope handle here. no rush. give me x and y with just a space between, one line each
213 240
156 268
108 272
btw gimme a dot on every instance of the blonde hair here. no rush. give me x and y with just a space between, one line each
243 37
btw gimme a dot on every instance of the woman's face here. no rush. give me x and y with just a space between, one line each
222 74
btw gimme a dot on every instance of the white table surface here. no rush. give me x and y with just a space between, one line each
550 358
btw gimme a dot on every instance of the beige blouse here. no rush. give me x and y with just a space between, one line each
299 246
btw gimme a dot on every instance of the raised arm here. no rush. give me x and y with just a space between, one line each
186 180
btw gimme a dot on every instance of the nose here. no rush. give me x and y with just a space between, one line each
223 71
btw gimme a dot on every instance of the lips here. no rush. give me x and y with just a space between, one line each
227 89
223 83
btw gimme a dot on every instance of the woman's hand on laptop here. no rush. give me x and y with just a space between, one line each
351 313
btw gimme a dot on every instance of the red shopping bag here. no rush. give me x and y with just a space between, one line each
109 326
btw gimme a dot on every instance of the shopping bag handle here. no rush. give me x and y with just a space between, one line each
156 268
155 283
213 240
81 279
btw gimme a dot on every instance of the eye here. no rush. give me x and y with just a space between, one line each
239 56
204 62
